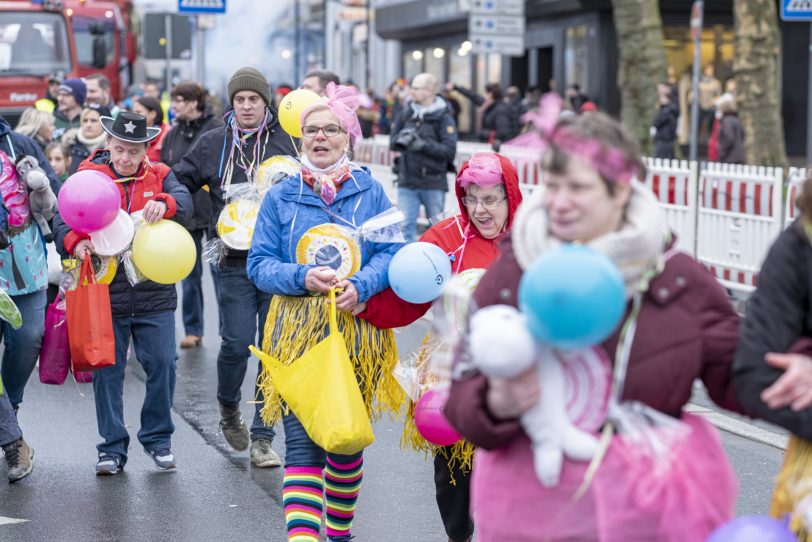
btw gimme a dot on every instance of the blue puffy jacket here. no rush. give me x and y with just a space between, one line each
290 208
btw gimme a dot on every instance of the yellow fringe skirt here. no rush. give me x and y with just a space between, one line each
460 455
793 485
297 324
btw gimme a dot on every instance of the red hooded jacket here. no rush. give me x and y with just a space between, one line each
465 246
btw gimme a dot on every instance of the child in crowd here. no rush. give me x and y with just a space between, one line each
59 157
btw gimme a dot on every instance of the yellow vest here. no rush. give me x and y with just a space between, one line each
44 105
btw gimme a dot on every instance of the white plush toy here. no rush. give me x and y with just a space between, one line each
501 346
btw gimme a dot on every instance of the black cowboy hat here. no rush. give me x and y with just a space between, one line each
129 127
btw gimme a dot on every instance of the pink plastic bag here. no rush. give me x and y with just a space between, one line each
54 356
628 501
83 377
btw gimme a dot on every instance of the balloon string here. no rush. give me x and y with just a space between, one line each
295 147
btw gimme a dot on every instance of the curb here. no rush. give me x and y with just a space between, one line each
739 428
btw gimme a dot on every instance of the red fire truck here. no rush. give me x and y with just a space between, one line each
36 41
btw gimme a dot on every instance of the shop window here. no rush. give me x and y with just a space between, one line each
576 59
459 66
412 63
716 57
434 58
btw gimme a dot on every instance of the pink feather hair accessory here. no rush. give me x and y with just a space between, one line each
484 170
342 101
610 162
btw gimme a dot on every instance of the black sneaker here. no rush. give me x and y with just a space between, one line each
108 465
163 459
233 427
19 457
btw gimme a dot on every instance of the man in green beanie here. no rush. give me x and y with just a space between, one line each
221 161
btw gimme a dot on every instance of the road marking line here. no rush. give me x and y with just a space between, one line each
12 521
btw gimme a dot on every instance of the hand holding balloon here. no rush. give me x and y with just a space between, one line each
154 211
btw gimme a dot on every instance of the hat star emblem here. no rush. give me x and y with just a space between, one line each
129 128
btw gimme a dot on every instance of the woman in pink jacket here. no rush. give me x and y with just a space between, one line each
685 330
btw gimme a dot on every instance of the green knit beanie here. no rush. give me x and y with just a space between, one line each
249 78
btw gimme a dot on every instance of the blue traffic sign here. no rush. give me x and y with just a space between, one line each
197 7
796 10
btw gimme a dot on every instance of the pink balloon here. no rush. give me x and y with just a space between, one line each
88 201
430 420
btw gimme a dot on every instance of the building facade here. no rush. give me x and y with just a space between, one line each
574 41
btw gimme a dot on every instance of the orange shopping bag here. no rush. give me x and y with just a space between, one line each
90 323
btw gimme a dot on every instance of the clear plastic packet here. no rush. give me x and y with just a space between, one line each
415 374
273 170
134 276
384 227
241 191
213 251
652 432
450 314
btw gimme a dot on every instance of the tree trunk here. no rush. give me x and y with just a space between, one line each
642 64
758 48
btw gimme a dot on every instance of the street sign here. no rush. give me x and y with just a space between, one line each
796 10
497 7
510 25
197 7
502 45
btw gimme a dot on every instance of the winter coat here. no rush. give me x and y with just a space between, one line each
779 319
465 246
62 124
176 143
205 163
23 265
290 208
159 184
426 168
497 125
731 139
665 124
687 329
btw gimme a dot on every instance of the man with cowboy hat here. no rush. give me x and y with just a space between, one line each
219 159
146 312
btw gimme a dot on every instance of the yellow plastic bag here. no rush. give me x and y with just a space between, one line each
321 390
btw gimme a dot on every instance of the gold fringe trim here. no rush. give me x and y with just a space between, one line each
297 324
793 485
461 454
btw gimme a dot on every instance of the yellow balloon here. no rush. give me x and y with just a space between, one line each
291 108
164 252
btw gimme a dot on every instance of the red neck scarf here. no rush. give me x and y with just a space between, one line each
326 185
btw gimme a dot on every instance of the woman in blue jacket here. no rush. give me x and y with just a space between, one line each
303 246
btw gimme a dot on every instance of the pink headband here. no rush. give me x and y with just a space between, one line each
610 162
484 170
342 101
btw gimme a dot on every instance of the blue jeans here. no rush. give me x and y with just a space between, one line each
409 201
153 338
9 430
243 308
300 451
22 345
192 287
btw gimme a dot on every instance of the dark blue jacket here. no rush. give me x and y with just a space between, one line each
427 167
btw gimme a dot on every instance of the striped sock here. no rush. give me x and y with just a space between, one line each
303 500
342 482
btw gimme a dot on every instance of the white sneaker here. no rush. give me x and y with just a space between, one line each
262 455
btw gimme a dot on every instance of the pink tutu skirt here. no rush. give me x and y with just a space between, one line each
632 498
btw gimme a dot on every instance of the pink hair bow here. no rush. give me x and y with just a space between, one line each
343 101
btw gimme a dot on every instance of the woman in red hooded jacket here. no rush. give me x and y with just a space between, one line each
488 191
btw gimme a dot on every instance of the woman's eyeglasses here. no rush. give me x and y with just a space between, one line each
331 130
488 203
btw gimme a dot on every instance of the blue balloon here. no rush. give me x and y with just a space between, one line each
753 529
573 297
419 272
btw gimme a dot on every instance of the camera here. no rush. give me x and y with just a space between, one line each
405 138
